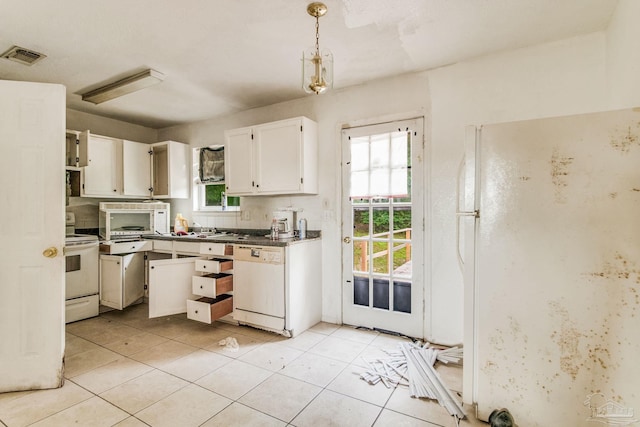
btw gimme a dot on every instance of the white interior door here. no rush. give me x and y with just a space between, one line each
383 227
32 140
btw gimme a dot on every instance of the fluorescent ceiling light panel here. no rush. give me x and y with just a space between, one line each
124 86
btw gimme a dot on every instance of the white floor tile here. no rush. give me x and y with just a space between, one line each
271 356
135 343
86 361
131 422
324 328
234 379
196 365
424 409
237 415
304 341
28 407
393 419
280 397
143 391
314 369
111 375
75 345
333 409
338 348
364 336
94 412
245 345
163 354
190 406
350 384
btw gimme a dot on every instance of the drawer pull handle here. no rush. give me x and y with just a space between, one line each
196 311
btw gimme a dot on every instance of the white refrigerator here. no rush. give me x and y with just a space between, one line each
551 219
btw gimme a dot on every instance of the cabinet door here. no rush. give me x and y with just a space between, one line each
111 281
170 285
136 169
133 290
170 170
238 162
278 157
102 175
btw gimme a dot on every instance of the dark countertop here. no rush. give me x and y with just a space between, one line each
242 237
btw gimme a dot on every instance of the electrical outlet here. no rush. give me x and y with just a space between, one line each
246 215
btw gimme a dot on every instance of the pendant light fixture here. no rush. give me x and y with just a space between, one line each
317 65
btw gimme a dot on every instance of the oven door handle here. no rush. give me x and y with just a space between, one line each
77 248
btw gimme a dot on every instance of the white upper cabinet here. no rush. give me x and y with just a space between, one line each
170 170
238 161
136 169
129 169
103 173
272 158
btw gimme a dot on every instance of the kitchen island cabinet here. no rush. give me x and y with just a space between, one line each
272 158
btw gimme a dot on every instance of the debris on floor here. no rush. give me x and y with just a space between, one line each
230 344
413 365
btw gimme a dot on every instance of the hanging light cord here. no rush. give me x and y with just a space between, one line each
318 34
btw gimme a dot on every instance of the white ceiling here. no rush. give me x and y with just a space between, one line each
223 56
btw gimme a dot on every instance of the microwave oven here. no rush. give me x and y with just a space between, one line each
131 219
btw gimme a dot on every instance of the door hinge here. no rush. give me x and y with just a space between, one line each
300 128
301 180
252 136
145 287
150 152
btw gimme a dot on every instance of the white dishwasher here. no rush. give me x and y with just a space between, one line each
259 286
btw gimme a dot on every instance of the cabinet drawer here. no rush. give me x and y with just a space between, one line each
212 285
186 247
209 309
163 245
208 248
127 247
216 265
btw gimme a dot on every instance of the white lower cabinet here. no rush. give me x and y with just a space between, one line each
207 309
121 279
182 278
213 282
170 285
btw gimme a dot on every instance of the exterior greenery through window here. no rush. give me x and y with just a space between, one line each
210 177
214 196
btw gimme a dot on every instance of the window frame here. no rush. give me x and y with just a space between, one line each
199 187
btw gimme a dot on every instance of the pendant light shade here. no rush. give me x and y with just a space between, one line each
317 64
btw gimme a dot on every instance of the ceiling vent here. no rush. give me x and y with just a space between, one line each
23 56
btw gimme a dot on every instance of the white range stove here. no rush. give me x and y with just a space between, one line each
81 277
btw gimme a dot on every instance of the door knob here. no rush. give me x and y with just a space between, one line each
50 252
347 239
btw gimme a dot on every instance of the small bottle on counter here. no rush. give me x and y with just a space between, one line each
302 228
275 229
